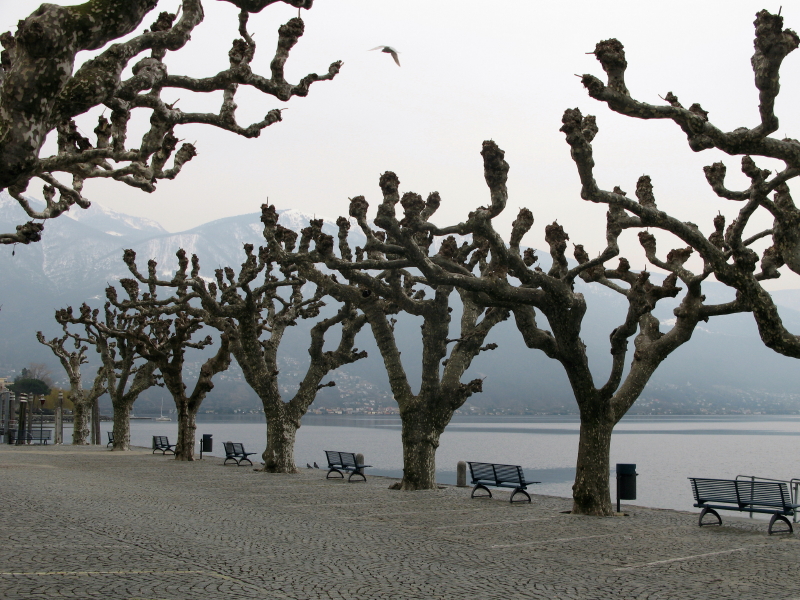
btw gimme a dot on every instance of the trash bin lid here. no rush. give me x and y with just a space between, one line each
626 469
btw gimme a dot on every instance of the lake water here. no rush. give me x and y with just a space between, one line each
666 450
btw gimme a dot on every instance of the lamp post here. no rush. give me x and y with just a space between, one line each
23 413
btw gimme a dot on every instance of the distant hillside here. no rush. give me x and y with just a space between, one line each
724 367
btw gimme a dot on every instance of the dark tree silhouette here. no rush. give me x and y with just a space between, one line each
252 313
41 92
165 337
509 278
726 252
127 374
425 413
82 400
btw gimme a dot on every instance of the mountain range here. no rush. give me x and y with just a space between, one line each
724 368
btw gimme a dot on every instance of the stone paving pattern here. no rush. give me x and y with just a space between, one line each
84 522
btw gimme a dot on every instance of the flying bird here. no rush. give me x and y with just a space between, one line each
388 50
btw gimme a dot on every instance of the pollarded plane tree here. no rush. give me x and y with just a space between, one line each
41 92
380 288
127 373
82 400
253 309
727 252
510 279
164 339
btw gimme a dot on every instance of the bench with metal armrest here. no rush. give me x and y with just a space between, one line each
765 497
344 461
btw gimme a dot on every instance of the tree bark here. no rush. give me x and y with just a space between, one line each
122 427
420 442
80 424
591 493
96 421
279 454
187 426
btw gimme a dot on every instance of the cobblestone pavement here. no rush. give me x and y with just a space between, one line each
88 523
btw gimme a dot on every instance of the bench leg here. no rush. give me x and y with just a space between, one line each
480 486
247 459
328 476
358 472
706 511
227 458
519 491
779 518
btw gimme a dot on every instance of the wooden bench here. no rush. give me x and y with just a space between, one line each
161 442
110 439
507 476
344 461
766 497
235 451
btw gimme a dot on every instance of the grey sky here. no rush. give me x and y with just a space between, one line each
470 71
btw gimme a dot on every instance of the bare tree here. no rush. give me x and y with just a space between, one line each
82 400
164 340
426 413
41 372
509 278
250 311
42 92
127 374
726 252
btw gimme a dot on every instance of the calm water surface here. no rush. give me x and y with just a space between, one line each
666 450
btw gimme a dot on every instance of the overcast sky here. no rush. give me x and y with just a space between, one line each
471 71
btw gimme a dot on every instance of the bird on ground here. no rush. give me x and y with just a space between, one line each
316 466
308 466
388 50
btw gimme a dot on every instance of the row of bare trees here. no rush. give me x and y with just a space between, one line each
411 265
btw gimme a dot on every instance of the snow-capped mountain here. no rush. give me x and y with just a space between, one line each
80 254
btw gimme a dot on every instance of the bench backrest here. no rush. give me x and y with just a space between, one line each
110 436
160 440
497 473
742 492
40 435
340 459
228 447
237 448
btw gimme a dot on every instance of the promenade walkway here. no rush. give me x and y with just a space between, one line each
88 523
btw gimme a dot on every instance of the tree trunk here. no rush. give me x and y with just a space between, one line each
122 428
80 425
96 421
279 454
187 426
591 493
420 441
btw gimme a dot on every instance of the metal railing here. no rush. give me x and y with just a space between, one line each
794 489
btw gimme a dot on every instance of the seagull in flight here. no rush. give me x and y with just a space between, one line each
388 50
